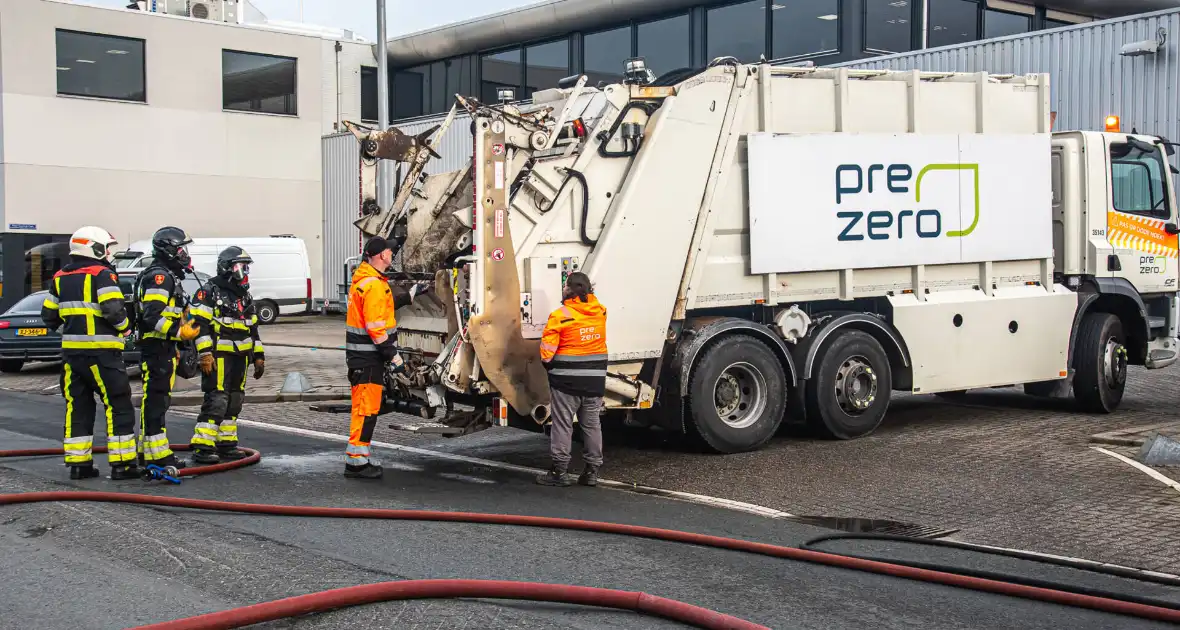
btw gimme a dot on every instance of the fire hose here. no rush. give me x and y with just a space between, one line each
686 613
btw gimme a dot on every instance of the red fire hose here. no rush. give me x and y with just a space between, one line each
1104 604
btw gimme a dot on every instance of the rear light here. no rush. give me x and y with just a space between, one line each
5 325
309 290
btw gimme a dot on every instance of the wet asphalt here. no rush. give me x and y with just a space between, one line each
88 565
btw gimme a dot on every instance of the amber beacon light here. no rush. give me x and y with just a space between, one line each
1112 124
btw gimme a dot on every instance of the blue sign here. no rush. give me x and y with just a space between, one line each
22 226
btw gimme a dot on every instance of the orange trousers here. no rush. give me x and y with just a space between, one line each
366 404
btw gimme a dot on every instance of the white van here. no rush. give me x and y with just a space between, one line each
280 278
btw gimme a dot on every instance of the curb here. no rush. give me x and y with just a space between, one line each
195 400
1134 436
302 345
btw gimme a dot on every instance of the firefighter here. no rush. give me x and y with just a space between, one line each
573 349
226 348
162 323
86 303
370 345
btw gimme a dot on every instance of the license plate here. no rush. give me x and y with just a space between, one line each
32 332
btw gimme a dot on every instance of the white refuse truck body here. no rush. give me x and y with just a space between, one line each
797 242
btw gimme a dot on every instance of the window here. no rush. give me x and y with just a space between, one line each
603 55
28 305
999 24
664 44
952 22
368 94
1056 23
500 70
458 81
547 64
887 25
737 30
804 27
253 82
409 90
101 66
1137 180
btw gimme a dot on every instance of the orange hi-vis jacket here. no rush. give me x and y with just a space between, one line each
371 328
573 347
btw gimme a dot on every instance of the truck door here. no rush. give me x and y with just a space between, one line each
1142 211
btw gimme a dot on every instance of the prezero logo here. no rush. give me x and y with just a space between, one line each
879 225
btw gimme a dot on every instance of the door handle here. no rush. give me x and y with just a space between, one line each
1172 228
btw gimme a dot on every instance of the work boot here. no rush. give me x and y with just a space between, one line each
555 477
589 476
368 471
205 458
123 472
231 454
87 471
173 461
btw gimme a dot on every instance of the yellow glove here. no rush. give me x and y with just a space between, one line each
188 329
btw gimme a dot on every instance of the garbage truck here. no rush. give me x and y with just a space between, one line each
778 242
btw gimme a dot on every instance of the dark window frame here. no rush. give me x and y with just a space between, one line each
1164 213
294 91
524 58
916 11
980 10
519 87
1030 17
813 55
361 86
768 37
142 69
629 25
686 13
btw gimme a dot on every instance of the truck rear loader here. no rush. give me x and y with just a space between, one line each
777 242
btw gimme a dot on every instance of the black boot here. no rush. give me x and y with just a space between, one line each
123 472
231 453
173 461
555 477
589 476
87 471
204 457
368 471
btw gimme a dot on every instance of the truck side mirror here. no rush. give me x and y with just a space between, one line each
1172 228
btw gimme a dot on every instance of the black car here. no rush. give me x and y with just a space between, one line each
24 337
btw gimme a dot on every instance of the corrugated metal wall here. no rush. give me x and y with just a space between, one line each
341 186
456 147
1089 79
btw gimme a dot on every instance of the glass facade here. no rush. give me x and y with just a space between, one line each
821 31
100 66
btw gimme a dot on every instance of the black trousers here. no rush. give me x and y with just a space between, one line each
225 390
159 377
84 377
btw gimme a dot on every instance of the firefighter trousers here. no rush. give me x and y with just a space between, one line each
225 390
101 374
368 392
159 377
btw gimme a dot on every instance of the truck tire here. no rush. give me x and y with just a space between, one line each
267 311
737 395
850 387
11 366
1100 363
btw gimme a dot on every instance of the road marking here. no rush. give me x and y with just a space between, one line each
700 499
1151 472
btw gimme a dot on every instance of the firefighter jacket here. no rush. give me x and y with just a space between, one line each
225 314
86 303
371 328
573 347
161 303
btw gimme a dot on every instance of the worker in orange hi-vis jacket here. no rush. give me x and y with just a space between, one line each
573 349
370 346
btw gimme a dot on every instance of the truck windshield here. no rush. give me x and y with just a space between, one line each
1137 180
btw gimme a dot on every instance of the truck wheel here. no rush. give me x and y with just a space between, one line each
268 312
849 391
11 366
737 395
1100 363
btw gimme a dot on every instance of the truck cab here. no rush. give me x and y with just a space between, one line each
1115 239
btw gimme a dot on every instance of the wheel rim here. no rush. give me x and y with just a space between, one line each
739 395
265 314
856 385
1114 363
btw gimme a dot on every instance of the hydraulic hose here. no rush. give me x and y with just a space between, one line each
1062 597
431 589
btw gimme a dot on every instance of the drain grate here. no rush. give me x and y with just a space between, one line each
876 526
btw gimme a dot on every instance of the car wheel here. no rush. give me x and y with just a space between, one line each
268 312
11 366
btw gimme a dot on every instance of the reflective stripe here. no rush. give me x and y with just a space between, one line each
566 310
576 372
121 448
51 299
201 310
156 447
109 293
228 345
356 331
163 325
580 358
123 325
551 347
258 349
357 347
365 282
68 312
152 297
173 311
80 304
358 450
205 434
375 325
91 342
228 431
220 374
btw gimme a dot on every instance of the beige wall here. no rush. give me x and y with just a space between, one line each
180 159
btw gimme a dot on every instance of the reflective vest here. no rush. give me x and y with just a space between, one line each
370 332
573 347
86 302
228 322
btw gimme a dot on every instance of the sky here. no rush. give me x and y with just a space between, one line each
360 16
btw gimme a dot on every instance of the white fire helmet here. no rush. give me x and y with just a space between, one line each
93 242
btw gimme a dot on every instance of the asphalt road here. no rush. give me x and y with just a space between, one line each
109 566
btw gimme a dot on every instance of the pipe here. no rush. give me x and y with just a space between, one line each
384 181
430 589
1064 598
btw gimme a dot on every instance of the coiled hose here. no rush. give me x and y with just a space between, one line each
328 600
